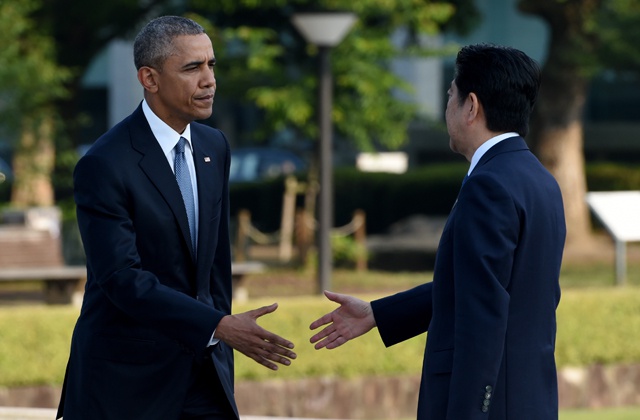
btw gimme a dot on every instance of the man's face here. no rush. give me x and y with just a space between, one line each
454 118
186 83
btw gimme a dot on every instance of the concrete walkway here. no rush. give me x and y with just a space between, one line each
17 413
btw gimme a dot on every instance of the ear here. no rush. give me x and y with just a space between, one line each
148 78
474 107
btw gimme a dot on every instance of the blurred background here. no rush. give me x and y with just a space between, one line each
67 76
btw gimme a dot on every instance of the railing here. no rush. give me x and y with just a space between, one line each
297 229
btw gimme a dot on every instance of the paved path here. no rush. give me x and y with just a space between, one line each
16 413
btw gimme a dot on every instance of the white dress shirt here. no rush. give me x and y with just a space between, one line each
167 138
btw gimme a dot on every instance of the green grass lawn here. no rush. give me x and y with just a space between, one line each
604 414
594 324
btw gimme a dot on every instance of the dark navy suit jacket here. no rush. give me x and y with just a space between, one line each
490 310
150 305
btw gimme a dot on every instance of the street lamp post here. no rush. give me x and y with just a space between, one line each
325 30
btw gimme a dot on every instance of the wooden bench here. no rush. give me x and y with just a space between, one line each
239 270
61 284
31 251
35 255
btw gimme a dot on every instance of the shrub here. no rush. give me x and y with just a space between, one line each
387 198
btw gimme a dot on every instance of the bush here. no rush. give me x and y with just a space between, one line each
347 251
612 177
387 198
597 325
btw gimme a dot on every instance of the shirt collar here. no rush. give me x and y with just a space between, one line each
486 146
166 136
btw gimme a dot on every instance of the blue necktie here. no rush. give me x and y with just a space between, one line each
184 182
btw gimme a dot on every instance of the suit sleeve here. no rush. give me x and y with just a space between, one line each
485 238
109 238
403 315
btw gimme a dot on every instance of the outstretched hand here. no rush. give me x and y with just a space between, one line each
242 332
353 318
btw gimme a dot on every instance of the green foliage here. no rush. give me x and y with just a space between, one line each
598 326
618 26
346 250
387 198
606 176
30 78
593 35
262 199
263 60
595 325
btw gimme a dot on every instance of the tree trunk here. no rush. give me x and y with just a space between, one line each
560 150
557 127
33 164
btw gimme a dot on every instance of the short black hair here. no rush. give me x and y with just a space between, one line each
154 43
506 82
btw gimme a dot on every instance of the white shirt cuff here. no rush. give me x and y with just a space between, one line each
213 340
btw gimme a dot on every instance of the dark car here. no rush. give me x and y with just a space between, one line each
253 164
6 177
5 172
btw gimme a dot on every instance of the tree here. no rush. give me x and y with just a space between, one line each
81 29
47 45
586 36
265 61
30 80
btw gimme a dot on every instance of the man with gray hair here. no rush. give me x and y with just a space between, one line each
155 336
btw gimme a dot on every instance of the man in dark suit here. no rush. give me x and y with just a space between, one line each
155 334
490 309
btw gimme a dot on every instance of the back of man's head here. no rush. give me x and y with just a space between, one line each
154 42
506 82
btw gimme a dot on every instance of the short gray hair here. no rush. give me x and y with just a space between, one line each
154 43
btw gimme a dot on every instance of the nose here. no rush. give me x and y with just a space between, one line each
209 79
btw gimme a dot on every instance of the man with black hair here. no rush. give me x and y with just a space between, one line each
490 311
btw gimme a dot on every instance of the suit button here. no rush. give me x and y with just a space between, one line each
488 388
486 403
487 395
485 409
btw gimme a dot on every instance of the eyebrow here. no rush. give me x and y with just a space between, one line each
199 63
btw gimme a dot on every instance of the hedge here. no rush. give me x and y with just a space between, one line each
387 198
595 325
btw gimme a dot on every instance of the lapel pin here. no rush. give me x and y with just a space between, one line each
207 159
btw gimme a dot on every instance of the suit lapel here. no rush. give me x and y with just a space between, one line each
206 183
154 164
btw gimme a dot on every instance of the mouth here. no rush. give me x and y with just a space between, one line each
205 98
